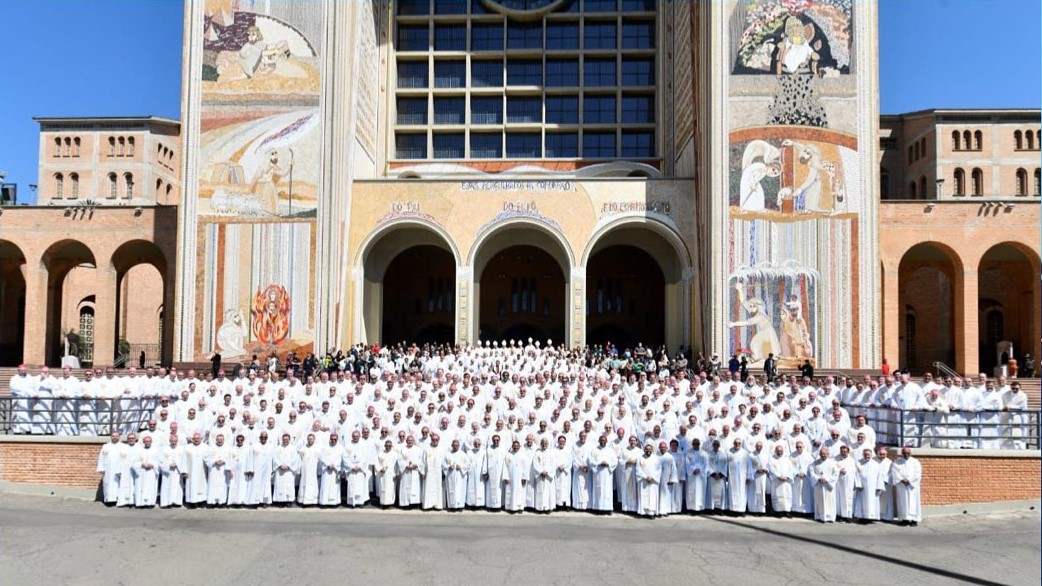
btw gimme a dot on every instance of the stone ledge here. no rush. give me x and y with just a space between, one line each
947 453
53 439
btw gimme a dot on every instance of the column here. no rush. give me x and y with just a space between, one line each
464 299
105 340
35 340
966 324
576 307
891 312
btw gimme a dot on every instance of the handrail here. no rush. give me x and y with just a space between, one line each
944 369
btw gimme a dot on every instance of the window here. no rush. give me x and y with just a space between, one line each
956 141
598 109
159 188
113 187
638 5
922 188
448 146
412 110
410 146
1022 182
87 335
562 35
76 146
599 35
413 37
884 184
918 153
524 72
478 7
1018 139
638 35
562 145
638 144
912 191
450 37
57 147
960 182
486 110
966 140
486 37
1038 182
450 74
413 74
122 146
74 179
523 145
486 73
524 109
638 109
450 7
130 146
599 72
449 111
977 176
638 71
112 146
486 146
59 186
978 140
562 109
1031 141
128 185
911 152
598 145
413 7
524 36
599 5
562 72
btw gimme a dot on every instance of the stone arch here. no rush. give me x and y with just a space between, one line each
142 282
930 279
1008 302
12 303
59 260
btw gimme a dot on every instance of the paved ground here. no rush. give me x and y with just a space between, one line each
50 540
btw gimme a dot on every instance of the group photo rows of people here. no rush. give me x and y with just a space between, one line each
516 427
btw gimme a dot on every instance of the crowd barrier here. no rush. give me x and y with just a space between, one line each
953 429
73 417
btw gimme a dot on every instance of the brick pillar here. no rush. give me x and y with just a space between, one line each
105 316
34 344
966 324
891 319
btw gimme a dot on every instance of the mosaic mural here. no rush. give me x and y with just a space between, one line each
785 37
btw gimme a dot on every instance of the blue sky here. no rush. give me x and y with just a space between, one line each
120 57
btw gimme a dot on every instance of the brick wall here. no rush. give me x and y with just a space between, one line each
69 463
961 479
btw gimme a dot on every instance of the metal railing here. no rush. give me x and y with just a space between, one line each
69 417
945 370
954 429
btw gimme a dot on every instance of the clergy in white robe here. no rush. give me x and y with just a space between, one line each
386 472
756 496
581 473
218 473
356 465
824 474
627 487
194 470
410 485
516 469
602 462
649 471
42 403
677 488
23 387
716 494
845 485
886 494
668 481
737 477
802 486
67 393
285 463
477 475
239 464
330 462
433 475
172 491
146 474
259 475
867 486
455 467
307 491
780 469
696 468
495 459
108 467
563 472
544 469
905 476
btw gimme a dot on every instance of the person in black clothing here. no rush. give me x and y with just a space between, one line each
743 369
1029 366
807 370
770 367
215 362
733 364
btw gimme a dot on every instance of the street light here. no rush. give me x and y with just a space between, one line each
940 183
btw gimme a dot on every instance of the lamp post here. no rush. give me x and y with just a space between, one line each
940 184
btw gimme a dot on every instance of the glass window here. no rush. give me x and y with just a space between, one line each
638 71
599 5
524 36
598 145
562 72
486 146
562 35
486 73
562 109
450 74
638 109
562 145
412 110
523 145
450 37
486 37
524 72
638 5
413 37
112 185
128 185
410 146
638 144
571 6
599 35
598 109
486 110
638 35
450 6
478 7
599 72
449 146
449 111
412 74
414 7
524 109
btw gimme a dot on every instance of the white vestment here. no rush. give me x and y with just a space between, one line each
905 476
824 474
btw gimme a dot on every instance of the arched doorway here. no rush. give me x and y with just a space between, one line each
927 278
61 260
12 304
408 291
419 297
521 280
141 289
635 290
1006 280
